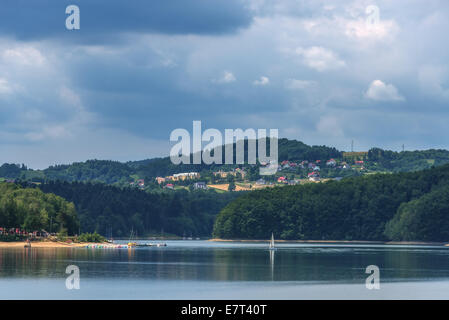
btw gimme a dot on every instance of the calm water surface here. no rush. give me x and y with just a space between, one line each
210 270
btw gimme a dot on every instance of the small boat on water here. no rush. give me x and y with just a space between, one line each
131 242
271 246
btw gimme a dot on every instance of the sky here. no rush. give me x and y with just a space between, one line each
322 72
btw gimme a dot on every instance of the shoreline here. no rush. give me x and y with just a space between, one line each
58 244
44 244
423 243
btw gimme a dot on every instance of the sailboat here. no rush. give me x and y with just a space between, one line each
130 242
271 247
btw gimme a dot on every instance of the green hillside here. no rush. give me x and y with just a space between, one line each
114 172
112 210
401 206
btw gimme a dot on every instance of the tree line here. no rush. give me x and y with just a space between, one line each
115 211
33 210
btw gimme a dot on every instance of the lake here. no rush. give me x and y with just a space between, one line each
227 270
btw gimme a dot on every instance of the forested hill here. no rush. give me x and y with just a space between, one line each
118 173
112 210
111 172
401 206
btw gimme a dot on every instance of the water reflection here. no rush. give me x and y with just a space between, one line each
205 262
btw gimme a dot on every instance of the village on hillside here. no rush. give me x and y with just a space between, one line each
246 177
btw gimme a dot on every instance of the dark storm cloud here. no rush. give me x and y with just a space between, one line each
101 20
139 69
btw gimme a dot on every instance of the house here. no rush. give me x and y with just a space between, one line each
331 163
185 176
316 168
282 180
200 185
141 182
346 166
359 162
169 186
313 174
260 182
221 174
160 180
283 163
241 172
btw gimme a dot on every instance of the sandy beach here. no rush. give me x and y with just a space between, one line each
43 244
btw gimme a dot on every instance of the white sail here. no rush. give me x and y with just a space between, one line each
272 241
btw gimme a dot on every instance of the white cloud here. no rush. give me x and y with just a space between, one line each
263 81
360 29
24 55
5 88
354 20
319 58
227 77
380 91
295 84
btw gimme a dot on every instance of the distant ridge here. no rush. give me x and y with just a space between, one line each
115 172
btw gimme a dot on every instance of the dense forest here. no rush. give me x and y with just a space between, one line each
108 209
297 150
34 210
401 206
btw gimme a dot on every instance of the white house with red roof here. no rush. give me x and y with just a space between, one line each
282 180
314 176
